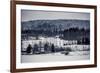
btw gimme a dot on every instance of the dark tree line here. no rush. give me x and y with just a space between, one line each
53 31
37 49
81 35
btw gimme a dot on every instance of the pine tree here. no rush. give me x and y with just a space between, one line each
46 46
29 49
35 49
52 48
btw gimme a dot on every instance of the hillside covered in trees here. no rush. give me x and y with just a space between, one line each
65 29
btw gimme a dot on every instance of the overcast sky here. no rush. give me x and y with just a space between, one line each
27 15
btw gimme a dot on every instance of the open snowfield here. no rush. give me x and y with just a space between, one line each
78 55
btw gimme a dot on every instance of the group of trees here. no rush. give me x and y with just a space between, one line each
85 41
38 49
81 35
66 28
74 29
67 34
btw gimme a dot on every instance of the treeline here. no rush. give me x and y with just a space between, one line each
54 32
38 49
81 35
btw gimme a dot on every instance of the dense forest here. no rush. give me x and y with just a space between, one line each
66 29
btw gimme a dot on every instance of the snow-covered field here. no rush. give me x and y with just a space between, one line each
72 56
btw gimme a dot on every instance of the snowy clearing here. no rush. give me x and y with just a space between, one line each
72 56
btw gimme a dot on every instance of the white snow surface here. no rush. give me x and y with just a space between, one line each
72 56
